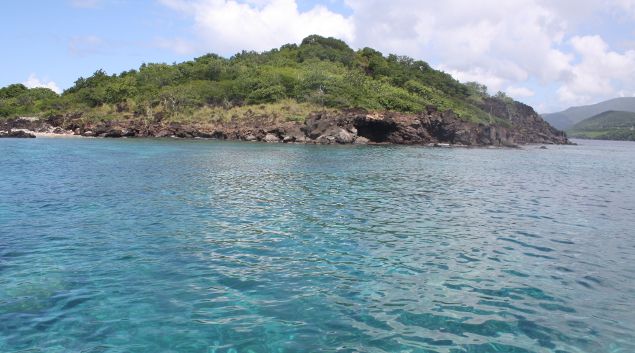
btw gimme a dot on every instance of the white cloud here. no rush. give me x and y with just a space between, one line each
519 92
33 81
228 26
502 44
627 5
600 73
477 74
499 42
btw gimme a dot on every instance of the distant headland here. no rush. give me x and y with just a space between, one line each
613 119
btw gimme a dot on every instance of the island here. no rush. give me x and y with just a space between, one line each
320 91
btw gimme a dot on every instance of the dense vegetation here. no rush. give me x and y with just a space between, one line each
611 125
321 73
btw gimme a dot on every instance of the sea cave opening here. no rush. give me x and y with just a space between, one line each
375 130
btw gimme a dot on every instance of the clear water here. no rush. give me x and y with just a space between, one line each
202 246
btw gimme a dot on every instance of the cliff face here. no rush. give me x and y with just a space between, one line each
528 126
523 126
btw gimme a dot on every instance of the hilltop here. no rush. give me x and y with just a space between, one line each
278 95
611 125
566 119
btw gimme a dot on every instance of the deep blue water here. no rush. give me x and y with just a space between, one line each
202 246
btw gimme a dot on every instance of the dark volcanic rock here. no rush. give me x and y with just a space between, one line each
114 133
375 128
322 125
16 134
519 124
162 133
526 126
289 132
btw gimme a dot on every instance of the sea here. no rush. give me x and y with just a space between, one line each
167 245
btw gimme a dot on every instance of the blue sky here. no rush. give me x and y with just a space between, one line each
548 54
58 41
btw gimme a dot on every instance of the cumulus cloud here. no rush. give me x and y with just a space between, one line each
33 81
476 74
519 92
503 44
494 42
229 26
600 72
627 5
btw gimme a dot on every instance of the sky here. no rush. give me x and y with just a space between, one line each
549 54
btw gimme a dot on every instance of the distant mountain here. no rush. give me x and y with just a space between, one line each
611 125
566 119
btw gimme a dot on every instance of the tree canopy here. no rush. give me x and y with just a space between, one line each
324 72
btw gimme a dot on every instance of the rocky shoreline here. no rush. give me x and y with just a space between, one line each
344 127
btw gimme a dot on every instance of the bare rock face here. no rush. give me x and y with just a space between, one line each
520 125
527 126
322 125
164 133
344 137
16 134
287 132
113 133
271 138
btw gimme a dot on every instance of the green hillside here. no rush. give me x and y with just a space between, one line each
289 82
610 125
565 120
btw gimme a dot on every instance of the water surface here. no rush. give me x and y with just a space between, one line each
202 246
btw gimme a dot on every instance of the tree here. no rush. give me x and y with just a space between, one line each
321 48
13 91
477 89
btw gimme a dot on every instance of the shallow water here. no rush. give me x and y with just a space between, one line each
203 246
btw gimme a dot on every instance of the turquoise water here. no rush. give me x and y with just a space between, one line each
203 246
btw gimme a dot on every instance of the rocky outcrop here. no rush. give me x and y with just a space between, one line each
527 125
16 134
520 125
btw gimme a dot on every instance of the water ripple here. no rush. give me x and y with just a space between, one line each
197 246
